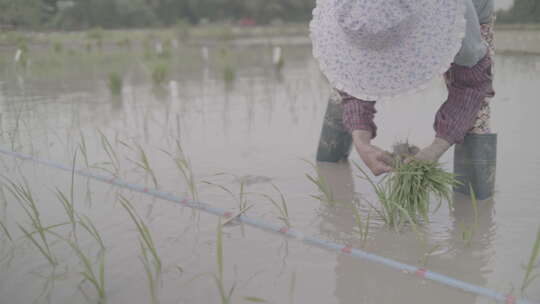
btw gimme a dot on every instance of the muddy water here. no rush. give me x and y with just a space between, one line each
256 130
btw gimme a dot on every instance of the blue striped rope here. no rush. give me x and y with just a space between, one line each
286 231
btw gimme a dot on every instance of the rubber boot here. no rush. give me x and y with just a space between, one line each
475 163
335 142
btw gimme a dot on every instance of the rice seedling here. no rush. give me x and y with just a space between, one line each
152 277
84 150
160 73
4 229
424 259
144 164
48 284
219 279
281 206
111 153
58 47
95 33
126 42
241 199
474 203
143 230
69 203
68 208
23 195
3 198
95 277
115 83
363 227
149 256
391 213
227 67
532 265
87 224
229 74
467 232
254 300
326 196
184 166
91 274
242 202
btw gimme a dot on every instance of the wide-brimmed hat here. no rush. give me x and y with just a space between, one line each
372 49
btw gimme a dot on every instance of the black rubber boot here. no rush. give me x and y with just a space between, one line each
335 142
475 163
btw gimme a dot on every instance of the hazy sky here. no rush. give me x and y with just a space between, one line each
503 4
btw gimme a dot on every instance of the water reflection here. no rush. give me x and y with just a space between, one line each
360 281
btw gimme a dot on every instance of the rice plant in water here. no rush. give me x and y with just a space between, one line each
281 206
84 150
227 67
225 295
160 73
424 259
229 74
95 277
111 153
362 226
97 34
532 265
4 229
24 196
241 198
391 213
69 202
184 166
144 164
149 255
58 47
326 196
468 229
115 83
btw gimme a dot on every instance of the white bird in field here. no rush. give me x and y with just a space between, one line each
277 55
18 55
204 53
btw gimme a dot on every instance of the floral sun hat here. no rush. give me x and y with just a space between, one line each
372 49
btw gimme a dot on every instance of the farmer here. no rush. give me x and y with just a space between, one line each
373 49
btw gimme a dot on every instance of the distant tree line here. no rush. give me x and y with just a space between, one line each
80 14
523 11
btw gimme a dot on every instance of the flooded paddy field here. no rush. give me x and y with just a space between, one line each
221 122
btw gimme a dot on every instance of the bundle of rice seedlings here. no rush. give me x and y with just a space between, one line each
412 184
406 192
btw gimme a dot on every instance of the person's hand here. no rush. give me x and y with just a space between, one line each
433 152
377 160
